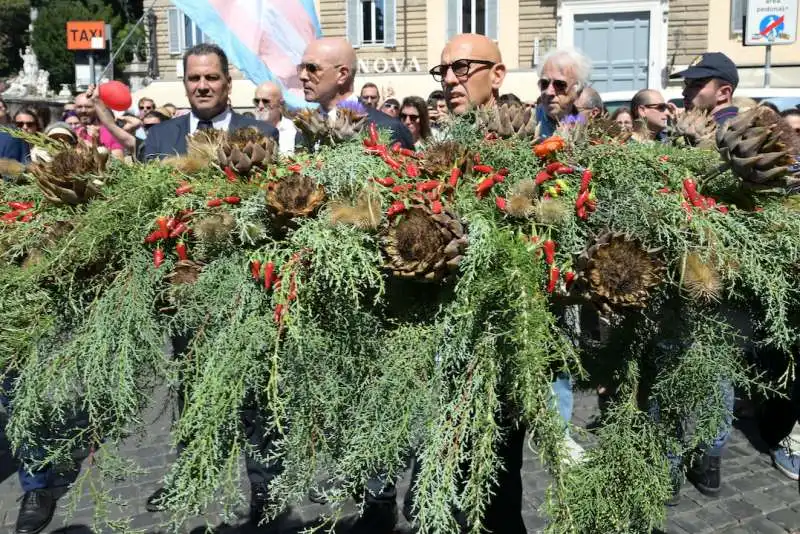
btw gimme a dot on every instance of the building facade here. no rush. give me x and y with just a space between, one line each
633 44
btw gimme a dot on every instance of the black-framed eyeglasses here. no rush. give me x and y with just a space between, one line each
560 86
462 68
391 106
369 97
145 108
312 68
412 118
662 107
265 101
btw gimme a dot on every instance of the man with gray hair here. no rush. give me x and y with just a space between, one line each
589 104
564 73
268 102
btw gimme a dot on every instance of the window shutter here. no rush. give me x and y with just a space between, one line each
738 11
389 23
491 19
173 21
353 25
453 9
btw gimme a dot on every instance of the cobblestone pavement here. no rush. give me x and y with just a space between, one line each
755 497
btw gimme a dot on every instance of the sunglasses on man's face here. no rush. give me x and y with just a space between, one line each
658 107
560 86
312 68
21 124
410 117
265 101
391 106
145 108
462 68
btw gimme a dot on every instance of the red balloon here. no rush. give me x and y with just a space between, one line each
116 95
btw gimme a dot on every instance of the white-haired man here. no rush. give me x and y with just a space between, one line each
562 76
268 101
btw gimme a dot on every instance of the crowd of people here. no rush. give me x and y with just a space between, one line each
471 74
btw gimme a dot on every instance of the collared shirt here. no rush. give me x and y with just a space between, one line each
723 115
287 135
220 122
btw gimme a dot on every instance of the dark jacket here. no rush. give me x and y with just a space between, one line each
169 138
398 129
13 148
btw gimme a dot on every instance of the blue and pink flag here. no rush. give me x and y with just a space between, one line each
265 39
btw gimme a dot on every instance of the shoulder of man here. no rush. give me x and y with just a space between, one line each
165 130
240 121
399 131
13 147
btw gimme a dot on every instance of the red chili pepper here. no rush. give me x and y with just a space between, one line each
412 170
402 188
690 189
368 143
542 177
397 207
11 216
500 202
498 178
385 182
269 275
180 250
549 247
295 167
373 133
664 158
158 257
486 169
427 186
408 153
554 274
292 289
229 174
163 225
569 277
484 187
553 167
591 205
436 207
185 214
179 230
394 164
582 198
581 213
564 169
255 269
476 158
758 209
722 209
665 190
455 174
503 172
182 190
154 237
20 205
278 315
586 177
27 217
214 202
231 200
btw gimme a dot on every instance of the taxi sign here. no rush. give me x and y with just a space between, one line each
86 35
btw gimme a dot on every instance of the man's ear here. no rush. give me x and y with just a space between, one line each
498 75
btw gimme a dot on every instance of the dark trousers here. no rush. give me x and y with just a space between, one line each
503 515
259 471
778 416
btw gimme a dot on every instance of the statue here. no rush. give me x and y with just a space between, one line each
43 83
16 88
30 65
30 81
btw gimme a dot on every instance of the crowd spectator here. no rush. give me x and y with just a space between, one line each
650 114
71 118
792 118
27 120
145 105
90 127
269 105
414 115
3 112
509 99
173 110
391 107
370 96
589 104
69 106
562 76
708 85
623 117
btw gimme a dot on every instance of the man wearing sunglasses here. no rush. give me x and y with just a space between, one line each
145 105
391 107
562 76
471 72
327 72
708 85
268 102
650 114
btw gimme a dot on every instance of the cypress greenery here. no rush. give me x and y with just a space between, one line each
353 370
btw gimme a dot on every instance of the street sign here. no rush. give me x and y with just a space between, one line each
86 35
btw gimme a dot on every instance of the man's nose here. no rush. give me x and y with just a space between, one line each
551 89
450 78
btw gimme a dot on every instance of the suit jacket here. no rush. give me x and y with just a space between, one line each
169 138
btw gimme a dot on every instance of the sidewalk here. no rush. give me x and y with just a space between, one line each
755 497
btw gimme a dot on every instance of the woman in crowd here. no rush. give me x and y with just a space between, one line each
622 116
414 114
28 121
71 118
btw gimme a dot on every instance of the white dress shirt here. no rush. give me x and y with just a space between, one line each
287 135
220 122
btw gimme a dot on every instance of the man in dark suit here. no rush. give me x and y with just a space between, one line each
207 82
328 71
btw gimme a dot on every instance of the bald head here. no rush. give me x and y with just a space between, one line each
472 72
267 101
328 70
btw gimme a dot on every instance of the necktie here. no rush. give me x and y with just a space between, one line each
205 125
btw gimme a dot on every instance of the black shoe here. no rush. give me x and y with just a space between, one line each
705 475
36 511
259 498
155 502
378 518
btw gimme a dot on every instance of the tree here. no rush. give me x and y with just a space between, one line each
16 15
50 34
